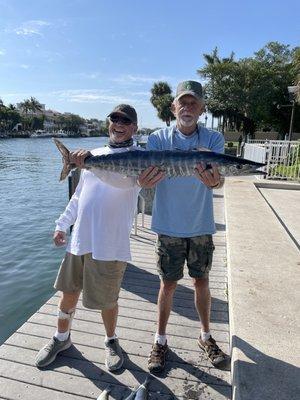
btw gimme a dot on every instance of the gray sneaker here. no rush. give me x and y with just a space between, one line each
114 355
49 352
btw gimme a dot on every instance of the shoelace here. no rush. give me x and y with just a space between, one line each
50 345
112 352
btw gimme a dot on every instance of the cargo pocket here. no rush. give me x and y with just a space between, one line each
162 259
209 250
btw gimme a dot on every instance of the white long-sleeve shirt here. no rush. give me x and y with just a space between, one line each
102 212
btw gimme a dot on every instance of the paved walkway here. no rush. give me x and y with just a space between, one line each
264 281
79 373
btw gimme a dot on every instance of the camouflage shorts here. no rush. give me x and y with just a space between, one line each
172 252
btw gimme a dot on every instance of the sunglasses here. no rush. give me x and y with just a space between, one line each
120 120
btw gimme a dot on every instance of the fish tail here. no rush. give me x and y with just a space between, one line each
67 166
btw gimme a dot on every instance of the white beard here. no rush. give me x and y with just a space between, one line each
186 123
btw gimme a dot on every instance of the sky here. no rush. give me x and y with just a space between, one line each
87 56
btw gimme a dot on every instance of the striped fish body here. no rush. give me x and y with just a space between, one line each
172 163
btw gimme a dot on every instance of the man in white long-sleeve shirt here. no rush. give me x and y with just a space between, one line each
101 212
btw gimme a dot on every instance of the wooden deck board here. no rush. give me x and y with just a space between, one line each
79 373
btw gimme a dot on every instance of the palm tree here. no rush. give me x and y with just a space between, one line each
35 105
162 99
213 58
25 106
30 106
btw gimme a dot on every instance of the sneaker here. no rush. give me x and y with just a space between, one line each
157 357
49 352
213 352
114 355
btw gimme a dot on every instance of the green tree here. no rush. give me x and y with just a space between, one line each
161 99
70 122
30 107
35 105
25 106
246 92
296 72
9 117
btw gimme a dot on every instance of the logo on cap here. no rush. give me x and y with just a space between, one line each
188 86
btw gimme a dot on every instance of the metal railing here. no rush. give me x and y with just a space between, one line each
257 141
140 209
282 158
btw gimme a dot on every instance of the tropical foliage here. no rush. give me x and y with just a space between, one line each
247 93
30 114
161 99
70 122
9 117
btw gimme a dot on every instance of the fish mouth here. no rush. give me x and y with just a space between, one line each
253 169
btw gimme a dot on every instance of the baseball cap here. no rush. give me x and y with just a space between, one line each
126 111
192 88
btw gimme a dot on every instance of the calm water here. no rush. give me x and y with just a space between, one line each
31 198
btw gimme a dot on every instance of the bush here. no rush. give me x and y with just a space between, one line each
290 171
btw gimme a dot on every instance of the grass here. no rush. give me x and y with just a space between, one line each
290 171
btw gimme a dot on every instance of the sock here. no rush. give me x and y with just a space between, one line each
107 338
205 335
62 336
160 339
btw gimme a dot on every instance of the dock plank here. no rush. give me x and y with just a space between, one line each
79 372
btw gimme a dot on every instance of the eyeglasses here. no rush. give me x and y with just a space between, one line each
120 120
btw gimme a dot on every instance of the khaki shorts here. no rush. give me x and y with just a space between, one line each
100 281
172 252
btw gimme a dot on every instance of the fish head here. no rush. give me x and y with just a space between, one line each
248 169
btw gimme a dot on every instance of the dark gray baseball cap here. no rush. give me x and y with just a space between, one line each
192 88
126 111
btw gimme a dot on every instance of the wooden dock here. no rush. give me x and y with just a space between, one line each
79 372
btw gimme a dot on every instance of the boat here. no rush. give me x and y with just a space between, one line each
41 134
46 134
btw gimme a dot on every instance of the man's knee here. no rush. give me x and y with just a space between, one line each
168 287
201 283
68 301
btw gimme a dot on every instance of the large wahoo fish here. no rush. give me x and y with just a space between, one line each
171 162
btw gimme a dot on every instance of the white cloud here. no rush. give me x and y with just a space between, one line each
2 52
139 79
95 96
30 28
24 66
87 75
141 93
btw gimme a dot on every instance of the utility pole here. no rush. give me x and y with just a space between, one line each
292 121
